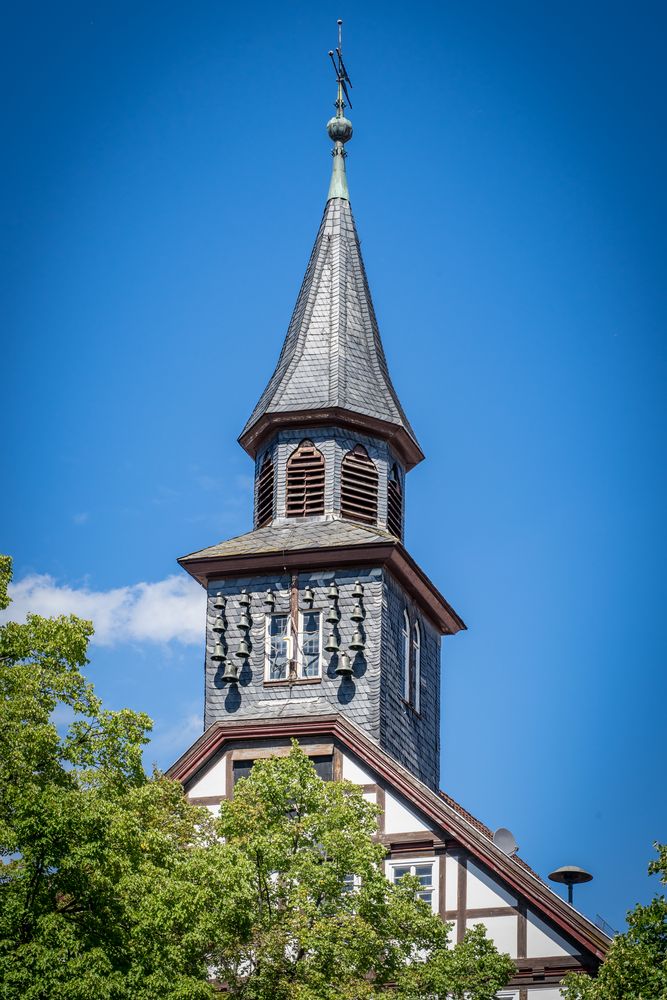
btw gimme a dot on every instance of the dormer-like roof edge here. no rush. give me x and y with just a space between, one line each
442 811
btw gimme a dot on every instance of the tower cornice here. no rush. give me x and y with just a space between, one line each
232 559
404 445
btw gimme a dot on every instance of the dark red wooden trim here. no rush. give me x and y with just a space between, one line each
461 897
405 447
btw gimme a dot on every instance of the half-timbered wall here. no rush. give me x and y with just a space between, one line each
465 893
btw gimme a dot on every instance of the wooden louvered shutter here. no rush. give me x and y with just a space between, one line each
265 493
305 481
359 486
394 504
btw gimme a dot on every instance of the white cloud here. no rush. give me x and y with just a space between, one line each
171 609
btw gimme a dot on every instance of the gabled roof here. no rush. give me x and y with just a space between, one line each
307 544
439 808
332 364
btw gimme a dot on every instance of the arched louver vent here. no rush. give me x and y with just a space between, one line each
359 486
395 504
265 493
305 481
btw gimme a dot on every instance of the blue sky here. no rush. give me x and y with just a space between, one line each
164 174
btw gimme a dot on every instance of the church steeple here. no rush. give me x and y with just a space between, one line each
320 610
332 368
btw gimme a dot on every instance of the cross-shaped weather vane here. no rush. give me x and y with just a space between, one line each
341 73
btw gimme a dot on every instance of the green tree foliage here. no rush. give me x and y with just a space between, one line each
636 964
114 887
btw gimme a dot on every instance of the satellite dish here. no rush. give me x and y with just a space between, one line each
504 841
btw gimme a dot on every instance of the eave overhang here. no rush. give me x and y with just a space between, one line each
511 870
391 555
257 434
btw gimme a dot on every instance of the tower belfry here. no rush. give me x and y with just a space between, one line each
321 627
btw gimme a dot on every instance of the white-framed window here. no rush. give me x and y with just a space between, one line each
425 870
310 644
405 637
417 666
278 647
351 883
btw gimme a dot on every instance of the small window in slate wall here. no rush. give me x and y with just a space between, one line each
265 493
305 481
359 486
395 503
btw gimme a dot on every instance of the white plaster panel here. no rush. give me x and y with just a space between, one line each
371 797
485 891
501 930
352 772
544 993
214 810
541 940
399 819
451 882
507 995
212 782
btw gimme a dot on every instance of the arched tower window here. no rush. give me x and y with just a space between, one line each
395 503
405 655
305 481
265 492
359 486
417 666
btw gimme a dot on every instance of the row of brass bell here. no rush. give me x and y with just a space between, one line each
357 643
219 624
220 601
231 672
344 667
333 615
245 622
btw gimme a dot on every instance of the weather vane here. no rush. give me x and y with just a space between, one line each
342 78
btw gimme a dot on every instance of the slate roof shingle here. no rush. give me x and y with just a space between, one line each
332 355
301 534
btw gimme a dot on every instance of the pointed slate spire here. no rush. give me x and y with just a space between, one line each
332 368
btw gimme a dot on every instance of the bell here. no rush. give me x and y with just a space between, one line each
332 644
344 668
270 598
357 641
244 622
357 613
333 592
333 615
219 601
218 652
219 624
231 673
244 599
358 591
308 596
243 652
